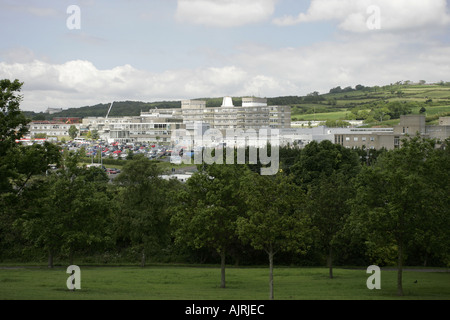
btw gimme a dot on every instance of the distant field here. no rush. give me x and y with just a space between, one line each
202 283
439 95
435 110
340 115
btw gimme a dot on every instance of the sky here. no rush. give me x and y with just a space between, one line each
74 53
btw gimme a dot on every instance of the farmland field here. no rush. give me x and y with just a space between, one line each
435 99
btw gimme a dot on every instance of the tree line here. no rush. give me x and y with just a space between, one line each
328 205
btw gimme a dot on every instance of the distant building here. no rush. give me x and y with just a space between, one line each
253 114
149 127
157 125
410 125
350 137
50 128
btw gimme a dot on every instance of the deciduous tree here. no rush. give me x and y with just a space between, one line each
208 209
274 220
403 200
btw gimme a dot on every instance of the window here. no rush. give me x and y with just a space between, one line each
396 142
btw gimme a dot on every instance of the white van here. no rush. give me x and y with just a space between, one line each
96 165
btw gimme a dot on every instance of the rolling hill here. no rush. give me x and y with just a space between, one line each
374 105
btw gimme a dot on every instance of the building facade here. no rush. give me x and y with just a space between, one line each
254 113
50 128
391 138
149 127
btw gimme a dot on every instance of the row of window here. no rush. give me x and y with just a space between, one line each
356 139
340 139
50 128
142 126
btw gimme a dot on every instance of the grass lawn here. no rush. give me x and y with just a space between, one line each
202 283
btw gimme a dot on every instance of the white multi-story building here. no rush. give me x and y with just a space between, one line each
253 114
157 125
50 128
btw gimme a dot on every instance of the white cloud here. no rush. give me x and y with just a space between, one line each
352 15
78 83
377 59
224 13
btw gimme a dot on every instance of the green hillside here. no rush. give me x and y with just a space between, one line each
377 106
374 105
120 109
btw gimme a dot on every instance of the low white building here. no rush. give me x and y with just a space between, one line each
50 128
149 127
179 177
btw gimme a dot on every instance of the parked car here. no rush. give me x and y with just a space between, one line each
111 171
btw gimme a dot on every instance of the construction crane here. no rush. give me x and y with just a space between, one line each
101 147
110 107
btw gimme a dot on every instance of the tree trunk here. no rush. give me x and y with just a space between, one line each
71 257
50 259
400 269
271 274
222 269
143 258
330 262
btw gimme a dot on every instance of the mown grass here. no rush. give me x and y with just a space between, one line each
202 283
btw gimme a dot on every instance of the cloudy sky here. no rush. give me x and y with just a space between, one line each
152 50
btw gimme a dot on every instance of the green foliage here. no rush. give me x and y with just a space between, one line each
12 127
322 159
73 132
66 212
403 199
143 198
12 120
325 171
274 220
206 211
349 206
336 124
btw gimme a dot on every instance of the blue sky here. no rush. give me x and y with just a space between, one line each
178 49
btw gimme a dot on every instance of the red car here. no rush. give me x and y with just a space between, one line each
111 171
